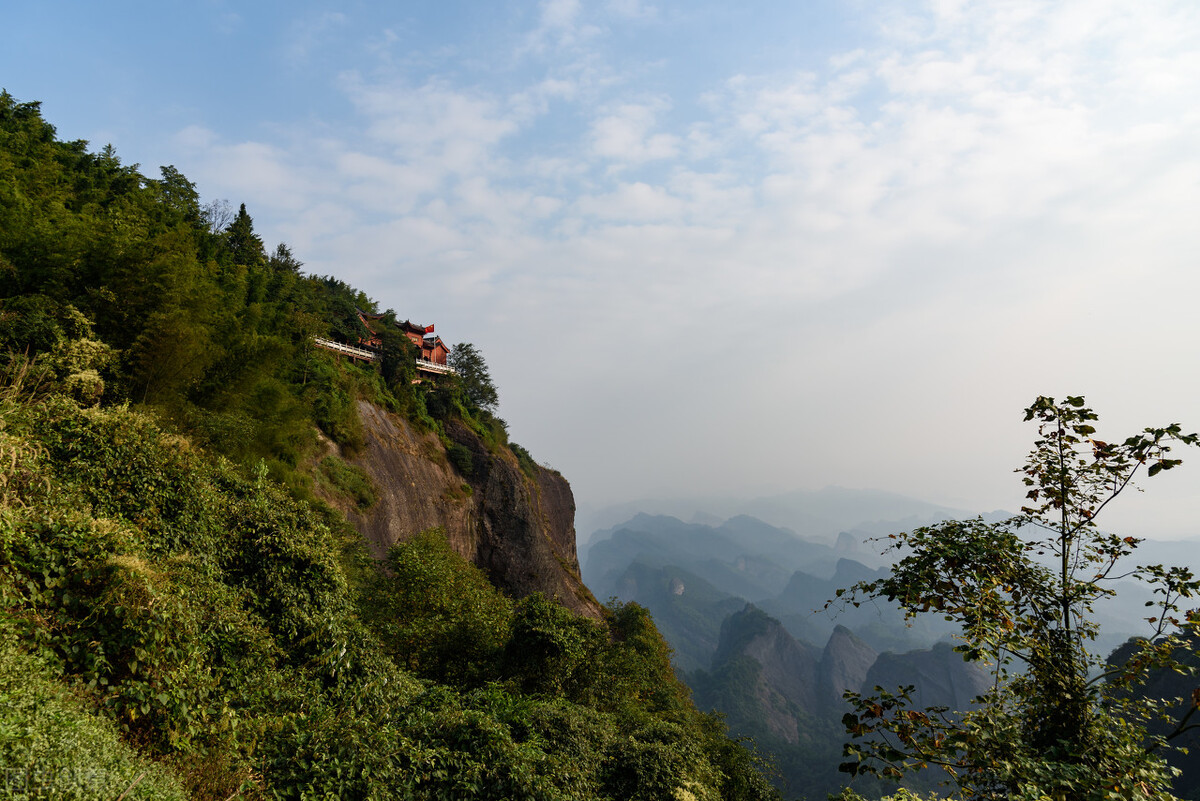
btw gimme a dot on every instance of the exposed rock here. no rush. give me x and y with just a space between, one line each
940 676
518 528
786 680
687 610
789 666
847 543
844 664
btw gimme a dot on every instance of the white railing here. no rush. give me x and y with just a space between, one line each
433 367
366 355
338 347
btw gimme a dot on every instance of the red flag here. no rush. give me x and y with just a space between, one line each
429 328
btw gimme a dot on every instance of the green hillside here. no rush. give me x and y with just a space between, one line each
183 619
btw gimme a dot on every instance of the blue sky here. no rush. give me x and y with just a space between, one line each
706 247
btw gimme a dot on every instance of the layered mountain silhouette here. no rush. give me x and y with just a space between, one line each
746 606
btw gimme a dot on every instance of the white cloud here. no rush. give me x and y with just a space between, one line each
636 203
632 9
434 120
536 100
626 135
559 28
195 137
559 14
253 172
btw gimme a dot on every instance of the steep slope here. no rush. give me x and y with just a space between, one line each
1177 692
687 609
762 676
786 695
844 663
940 676
182 621
518 528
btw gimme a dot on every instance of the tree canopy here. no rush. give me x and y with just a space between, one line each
1060 722
472 371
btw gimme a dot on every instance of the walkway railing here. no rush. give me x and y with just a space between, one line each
434 367
338 347
366 355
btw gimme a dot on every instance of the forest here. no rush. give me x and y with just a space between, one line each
184 618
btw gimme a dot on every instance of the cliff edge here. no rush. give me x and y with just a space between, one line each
517 527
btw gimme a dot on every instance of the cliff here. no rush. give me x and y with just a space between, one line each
518 528
940 676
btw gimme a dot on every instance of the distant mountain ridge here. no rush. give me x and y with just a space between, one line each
752 613
819 515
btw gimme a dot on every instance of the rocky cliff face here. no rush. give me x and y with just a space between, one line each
518 528
772 683
940 676
763 677
845 663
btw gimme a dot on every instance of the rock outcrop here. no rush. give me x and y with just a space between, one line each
938 674
518 527
763 676
769 679
845 663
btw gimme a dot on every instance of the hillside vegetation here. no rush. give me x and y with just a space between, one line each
182 619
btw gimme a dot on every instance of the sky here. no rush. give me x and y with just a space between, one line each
709 249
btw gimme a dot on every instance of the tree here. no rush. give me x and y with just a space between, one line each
244 246
217 215
472 370
283 260
1059 721
177 196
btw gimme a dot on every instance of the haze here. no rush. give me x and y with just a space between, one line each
706 249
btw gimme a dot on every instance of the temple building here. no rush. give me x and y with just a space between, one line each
431 358
433 350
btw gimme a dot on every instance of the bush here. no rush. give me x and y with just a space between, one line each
461 458
438 615
53 747
552 649
348 481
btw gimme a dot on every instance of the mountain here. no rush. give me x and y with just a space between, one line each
253 547
776 667
939 675
787 694
845 663
810 610
1176 692
815 515
687 609
742 556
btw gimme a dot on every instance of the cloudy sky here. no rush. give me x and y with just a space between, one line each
709 247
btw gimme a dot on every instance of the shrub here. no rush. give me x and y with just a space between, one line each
438 615
461 458
348 481
53 747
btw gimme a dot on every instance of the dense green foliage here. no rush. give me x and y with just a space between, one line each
125 288
1061 722
181 619
468 362
215 621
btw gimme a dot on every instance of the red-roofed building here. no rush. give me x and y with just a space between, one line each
433 350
